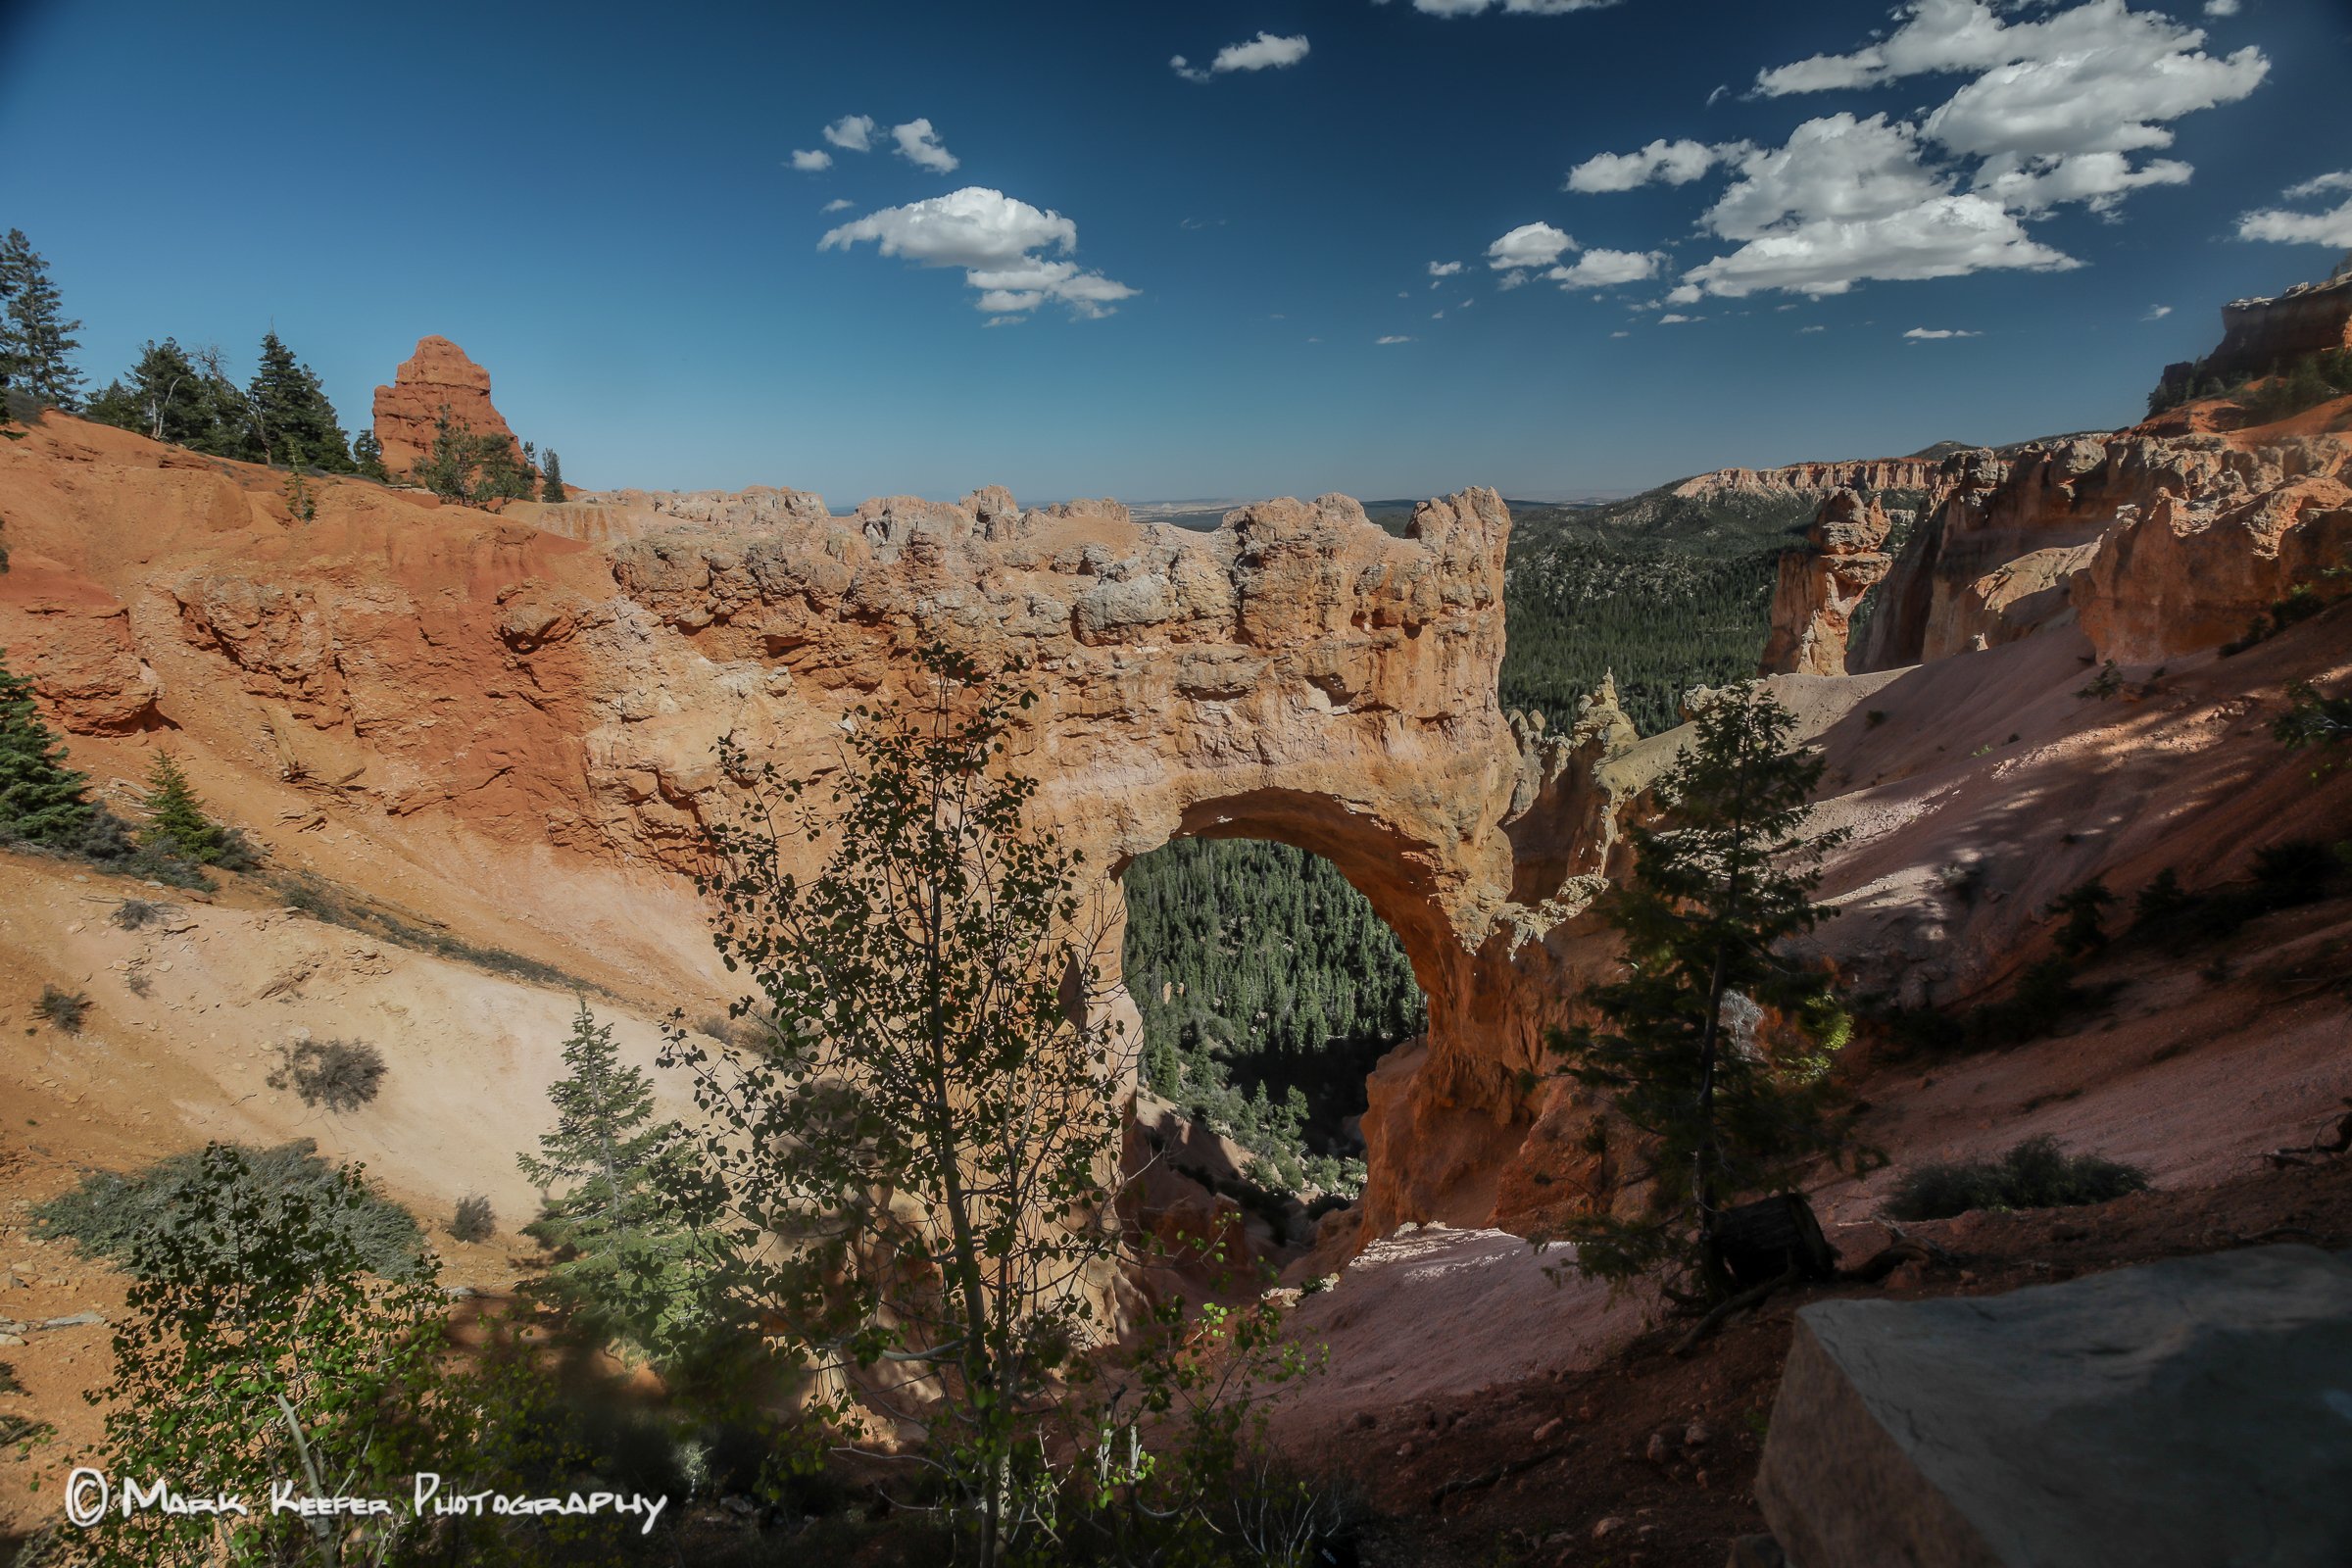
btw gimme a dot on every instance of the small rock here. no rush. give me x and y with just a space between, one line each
1607 1527
1404 1451
77 1321
1364 1419
1657 1452
11 1338
1697 1435
1545 1431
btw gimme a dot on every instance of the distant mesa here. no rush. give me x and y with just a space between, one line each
2263 335
437 374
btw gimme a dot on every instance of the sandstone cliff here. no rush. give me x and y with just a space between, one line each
1822 586
437 375
512 726
2263 335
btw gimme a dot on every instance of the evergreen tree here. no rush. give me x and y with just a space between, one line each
176 823
167 398
448 466
35 337
1727 1106
368 458
550 484
631 1261
291 415
40 796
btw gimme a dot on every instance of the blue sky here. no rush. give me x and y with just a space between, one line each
603 209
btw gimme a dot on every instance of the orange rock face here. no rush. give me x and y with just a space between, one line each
1821 588
437 374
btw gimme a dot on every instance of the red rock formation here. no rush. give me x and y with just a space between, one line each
2262 336
437 374
1822 586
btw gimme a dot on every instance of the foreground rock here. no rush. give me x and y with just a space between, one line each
2187 1413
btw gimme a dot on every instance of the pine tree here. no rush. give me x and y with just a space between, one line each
448 466
35 337
367 455
291 413
40 796
167 398
631 1258
1727 1106
550 484
176 823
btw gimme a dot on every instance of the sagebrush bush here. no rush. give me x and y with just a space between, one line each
110 1213
137 914
336 1075
2035 1174
473 1220
62 1009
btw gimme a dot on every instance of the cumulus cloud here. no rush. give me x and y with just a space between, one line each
1523 8
1947 236
2283 226
2220 8
1930 335
2157 313
809 163
1443 269
1265 52
1673 163
855 132
2065 105
1000 243
1671 319
920 144
838 204
1606 269
2061 109
2318 186
1528 245
1392 338
1815 327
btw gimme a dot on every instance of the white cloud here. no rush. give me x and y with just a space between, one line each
1524 8
1674 318
838 204
1392 338
1673 163
810 162
920 144
1528 245
996 239
855 133
1606 269
1946 236
1621 332
1815 327
2318 186
1265 52
1443 269
2057 105
2331 228
2157 313
2220 8
1438 315
1685 294
2100 180
1835 168
1930 335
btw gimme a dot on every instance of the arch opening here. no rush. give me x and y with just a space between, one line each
1268 986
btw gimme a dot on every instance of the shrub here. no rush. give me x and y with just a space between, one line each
473 1221
336 1074
2035 1174
2086 911
137 914
109 1215
62 1009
